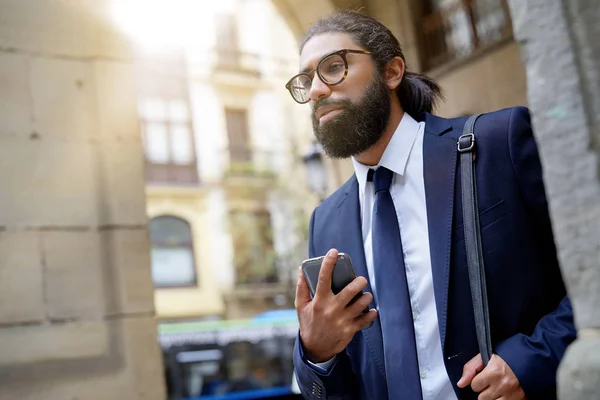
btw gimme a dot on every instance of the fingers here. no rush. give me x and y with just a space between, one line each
324 283
490 393
496 380
360 304
352 289
471 368
302 291
365 319
483 380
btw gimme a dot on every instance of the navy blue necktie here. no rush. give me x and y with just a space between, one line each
393 299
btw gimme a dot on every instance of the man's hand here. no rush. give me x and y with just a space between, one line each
496 381
327 323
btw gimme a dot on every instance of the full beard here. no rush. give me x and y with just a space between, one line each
358 126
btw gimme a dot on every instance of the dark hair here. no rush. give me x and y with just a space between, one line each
417 93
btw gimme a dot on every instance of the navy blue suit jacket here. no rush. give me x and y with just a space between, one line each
531 317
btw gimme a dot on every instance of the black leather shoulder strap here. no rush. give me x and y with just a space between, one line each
466 148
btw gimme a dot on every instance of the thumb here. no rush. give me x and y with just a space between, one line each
470 369
302 291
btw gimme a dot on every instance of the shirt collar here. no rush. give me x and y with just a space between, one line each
395 155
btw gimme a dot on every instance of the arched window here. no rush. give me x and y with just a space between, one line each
172 252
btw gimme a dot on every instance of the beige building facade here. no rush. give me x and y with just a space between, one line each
226 195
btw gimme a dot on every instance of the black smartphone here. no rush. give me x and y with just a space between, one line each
343 273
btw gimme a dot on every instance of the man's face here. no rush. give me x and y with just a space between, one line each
350 117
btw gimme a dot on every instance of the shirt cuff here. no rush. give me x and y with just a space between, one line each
324 367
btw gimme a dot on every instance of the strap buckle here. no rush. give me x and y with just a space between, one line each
466 143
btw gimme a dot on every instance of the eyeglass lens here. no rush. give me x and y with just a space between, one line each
331 69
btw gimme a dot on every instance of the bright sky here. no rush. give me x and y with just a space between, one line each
153 24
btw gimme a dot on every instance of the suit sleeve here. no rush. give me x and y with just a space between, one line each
315 383
535 358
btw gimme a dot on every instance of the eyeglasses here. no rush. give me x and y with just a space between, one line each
332 70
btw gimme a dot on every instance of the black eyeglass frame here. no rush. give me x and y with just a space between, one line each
342 53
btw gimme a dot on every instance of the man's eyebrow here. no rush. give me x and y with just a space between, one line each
306 69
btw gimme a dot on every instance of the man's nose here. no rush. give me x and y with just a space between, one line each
318 89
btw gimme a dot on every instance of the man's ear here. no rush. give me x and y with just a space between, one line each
394 71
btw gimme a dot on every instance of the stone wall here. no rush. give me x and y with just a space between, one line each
76 297
559 42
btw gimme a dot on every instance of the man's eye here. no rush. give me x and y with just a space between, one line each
335 67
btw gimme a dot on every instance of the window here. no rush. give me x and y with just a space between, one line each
172 252
237 132
254 254
166 122
227 41
454 29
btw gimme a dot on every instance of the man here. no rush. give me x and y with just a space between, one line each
400 220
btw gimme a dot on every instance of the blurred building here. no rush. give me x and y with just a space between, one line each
226 191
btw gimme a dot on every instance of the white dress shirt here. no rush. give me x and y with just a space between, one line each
404 156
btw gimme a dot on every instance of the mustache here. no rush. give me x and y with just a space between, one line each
328 102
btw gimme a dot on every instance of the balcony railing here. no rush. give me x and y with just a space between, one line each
245 161
463 27
171 174
251 64
236 61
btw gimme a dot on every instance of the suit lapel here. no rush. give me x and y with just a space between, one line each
350 241
349 227
439 171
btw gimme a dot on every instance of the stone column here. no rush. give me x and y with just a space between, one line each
561 51
76 297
